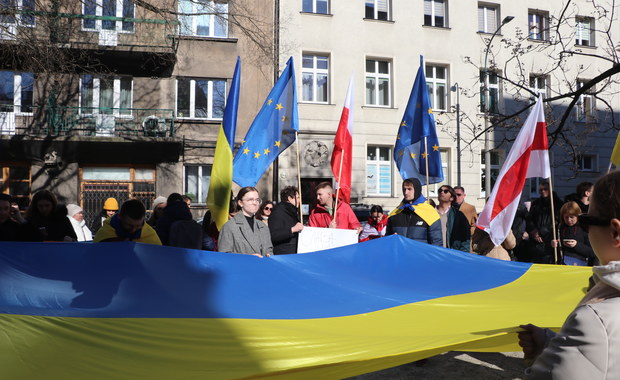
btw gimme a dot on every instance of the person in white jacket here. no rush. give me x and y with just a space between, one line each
588 344
76 216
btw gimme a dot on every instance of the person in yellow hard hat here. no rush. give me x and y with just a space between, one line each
110 208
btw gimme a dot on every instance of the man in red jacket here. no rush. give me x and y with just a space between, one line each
323 214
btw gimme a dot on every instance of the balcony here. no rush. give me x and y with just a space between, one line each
88 122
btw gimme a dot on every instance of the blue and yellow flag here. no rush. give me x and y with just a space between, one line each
137 311
220 186
417 141
271 132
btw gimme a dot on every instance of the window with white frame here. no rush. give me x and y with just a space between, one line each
106 95
197 179
445 168
538 25
378 89
17 12
534 186
378 10
16 92
489 91
495 168
315 78
201 98
203 18
315 6
585 107
437 83
378 170
435 13
107 12
587 162
539 84
584 31
488 17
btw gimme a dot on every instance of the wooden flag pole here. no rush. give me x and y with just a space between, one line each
301 214
555 237
338 190
426 163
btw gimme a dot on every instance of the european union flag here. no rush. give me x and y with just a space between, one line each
416 142
272 131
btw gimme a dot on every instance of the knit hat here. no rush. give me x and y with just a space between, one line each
110 204
73 209
159 200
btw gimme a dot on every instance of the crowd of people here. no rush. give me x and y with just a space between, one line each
263 227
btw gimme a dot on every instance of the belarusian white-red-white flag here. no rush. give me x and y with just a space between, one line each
342 156
528 158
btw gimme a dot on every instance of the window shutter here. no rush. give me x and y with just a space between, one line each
428 7
491 20
382 5
481 19
439 9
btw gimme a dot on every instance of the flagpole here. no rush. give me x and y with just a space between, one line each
338 190
301 215
426 162
609 168
555 237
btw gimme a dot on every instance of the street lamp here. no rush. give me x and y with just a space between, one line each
456 89
487 100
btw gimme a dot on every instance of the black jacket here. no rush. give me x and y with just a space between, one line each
582 250
283 217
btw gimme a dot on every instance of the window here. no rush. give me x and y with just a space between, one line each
435 13
201 98
488 16
540 84
585 107
587 162
378 9
315 78
203 18
197 179
106 95
17 12
445 168
108 8
15 180
495 168
378 83
489 83
437 83
538 25
378 170
16 92
584 31
315 6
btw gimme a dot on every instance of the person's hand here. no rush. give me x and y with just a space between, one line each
359 230
15 214
332 224
257 254
537 237
525 236
555 243
297 227
532 340
570 243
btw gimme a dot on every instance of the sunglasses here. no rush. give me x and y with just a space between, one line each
445 191
268 208
587 220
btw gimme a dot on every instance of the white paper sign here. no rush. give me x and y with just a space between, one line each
317 239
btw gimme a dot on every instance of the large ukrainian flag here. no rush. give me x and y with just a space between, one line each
130 310
220 185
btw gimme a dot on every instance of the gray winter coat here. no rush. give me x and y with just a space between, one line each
236 236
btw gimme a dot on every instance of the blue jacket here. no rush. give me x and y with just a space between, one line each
408 223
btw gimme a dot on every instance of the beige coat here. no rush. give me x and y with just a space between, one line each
481 243
588 345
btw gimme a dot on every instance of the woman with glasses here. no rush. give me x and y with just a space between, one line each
243 233
264 211
587 346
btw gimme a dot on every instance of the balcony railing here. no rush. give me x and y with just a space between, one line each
88 121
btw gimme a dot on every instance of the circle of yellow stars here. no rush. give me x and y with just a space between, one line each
276 144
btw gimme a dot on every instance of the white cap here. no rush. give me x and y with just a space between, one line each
73 209
159 200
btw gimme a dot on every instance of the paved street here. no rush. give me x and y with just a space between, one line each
458 365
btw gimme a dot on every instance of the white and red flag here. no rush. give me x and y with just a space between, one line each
528 158
342 156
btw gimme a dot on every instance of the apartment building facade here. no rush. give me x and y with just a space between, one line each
499 53
123 99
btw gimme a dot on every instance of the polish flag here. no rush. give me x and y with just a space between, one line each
528 158
342 156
